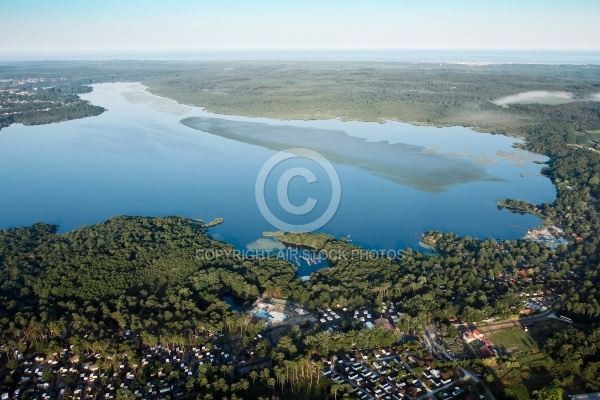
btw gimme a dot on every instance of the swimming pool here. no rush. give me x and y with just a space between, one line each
262 314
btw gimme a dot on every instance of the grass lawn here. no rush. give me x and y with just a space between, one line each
583 140
514 340
594 135
533 358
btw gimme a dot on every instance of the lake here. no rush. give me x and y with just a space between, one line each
151 156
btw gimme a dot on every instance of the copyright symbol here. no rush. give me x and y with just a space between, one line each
283 185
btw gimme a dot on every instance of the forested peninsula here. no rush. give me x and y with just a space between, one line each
39 101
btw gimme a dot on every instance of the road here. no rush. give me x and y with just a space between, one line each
473 377
494 326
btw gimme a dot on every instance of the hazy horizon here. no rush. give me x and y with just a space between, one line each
29 27
514 56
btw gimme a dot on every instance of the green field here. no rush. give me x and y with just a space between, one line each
583 140
530 342
514 340
536 357
594 135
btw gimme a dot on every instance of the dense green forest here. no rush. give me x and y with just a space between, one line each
423 93
140 273
143 273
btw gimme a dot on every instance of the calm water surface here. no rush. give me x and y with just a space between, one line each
139 159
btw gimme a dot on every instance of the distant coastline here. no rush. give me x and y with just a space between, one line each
458 56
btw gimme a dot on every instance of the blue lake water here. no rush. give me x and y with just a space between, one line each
139 159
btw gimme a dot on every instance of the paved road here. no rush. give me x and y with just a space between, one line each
488 392
494 326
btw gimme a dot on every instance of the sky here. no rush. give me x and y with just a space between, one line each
29 26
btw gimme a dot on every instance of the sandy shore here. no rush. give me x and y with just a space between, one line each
547 232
